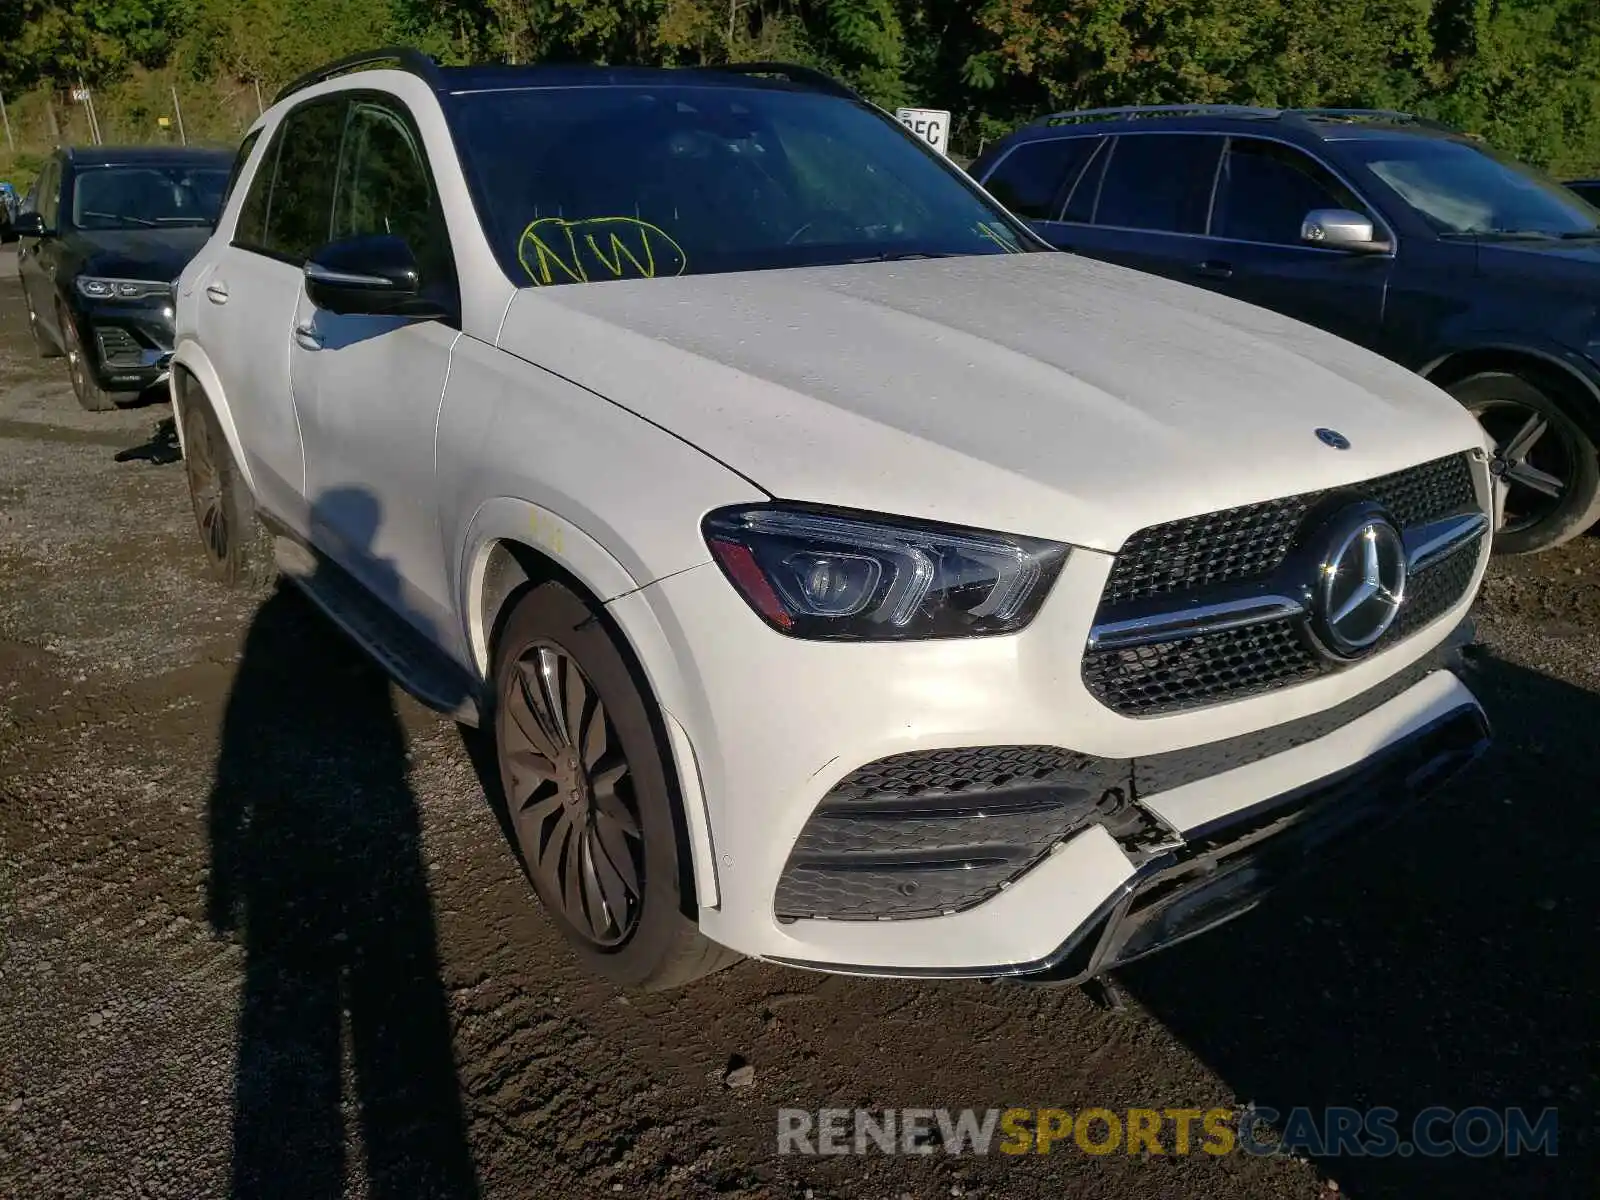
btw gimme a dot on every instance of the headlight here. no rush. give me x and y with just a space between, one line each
830 576
96 288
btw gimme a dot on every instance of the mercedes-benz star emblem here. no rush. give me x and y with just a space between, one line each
1363 583
1332 437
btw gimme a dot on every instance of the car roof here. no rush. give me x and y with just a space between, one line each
463 80
121 156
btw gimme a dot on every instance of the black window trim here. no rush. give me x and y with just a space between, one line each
1377 214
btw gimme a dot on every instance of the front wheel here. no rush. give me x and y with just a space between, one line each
1551 472
588 792
91 396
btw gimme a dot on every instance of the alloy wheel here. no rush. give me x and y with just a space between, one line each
571 796
74 354
205 488
1534 456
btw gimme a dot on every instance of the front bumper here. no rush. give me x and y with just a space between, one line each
764 728
128 345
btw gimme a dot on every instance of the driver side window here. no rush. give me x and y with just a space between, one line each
1265 190
384 187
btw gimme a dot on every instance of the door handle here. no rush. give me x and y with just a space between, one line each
1212 269
217 293
307 338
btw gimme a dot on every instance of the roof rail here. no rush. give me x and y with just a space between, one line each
403 58
1373 114
807 76
1304 118
1161 110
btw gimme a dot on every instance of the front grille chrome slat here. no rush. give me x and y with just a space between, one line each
1198 612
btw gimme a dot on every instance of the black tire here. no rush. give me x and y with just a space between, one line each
41 343
237 547
593 811
91 396
1544 451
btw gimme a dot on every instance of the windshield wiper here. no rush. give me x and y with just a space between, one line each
1578 235
145 221
899 256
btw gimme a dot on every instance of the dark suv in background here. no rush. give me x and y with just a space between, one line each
1388 230
107 231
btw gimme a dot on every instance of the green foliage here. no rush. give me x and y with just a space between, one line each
1523 73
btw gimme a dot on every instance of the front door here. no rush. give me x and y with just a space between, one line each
1264 192
369 387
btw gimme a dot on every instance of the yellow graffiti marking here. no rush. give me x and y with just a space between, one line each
556 250
546 531
985 230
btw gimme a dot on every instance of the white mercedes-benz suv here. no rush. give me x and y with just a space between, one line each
846 579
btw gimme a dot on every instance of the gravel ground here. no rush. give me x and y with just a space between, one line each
179 765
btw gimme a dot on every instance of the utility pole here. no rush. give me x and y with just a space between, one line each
177 110
6 120
260 108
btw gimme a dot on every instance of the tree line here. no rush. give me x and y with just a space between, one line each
1525 74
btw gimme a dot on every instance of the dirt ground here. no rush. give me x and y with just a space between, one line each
179 766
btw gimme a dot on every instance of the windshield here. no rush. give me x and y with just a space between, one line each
146 196
1462 189
581 185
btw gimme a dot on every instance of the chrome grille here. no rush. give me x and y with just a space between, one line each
1188 559
1251 541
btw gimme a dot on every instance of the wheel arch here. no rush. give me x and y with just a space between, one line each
501 566
190 366
1568 385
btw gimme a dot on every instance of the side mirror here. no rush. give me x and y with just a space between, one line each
29 225
1341 229
374 275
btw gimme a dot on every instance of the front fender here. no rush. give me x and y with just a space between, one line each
507 519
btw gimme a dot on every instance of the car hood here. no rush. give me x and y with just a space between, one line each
1041 394
159 254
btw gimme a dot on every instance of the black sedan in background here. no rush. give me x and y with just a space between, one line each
109 229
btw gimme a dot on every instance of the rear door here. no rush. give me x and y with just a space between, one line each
246 319
1264 191
1144 201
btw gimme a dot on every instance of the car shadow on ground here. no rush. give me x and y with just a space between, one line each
1385 978
317 866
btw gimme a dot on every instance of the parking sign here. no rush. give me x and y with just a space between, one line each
932 125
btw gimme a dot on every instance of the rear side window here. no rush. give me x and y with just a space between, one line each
1159 181
289 209
1032 176
1266 189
